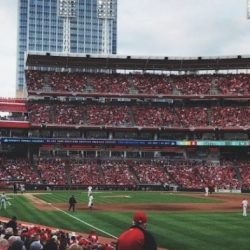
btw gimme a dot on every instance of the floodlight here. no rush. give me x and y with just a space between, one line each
105 9
106 12
67 8
67 11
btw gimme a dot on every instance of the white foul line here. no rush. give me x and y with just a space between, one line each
96 228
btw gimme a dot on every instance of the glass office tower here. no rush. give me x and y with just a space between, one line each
43 27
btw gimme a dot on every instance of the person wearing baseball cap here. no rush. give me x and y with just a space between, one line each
137 237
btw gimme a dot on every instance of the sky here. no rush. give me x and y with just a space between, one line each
173 28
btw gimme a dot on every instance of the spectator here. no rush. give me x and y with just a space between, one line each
36 245
8 233
4 244
51 244
63 242
13 224
17 245
137 238
75 247
12 239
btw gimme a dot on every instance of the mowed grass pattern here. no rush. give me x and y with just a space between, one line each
175 231
125 197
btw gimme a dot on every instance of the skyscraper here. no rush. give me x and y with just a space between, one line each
75 26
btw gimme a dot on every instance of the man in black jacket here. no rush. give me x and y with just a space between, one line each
72 203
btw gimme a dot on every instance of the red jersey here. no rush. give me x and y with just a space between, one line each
136 239
132 239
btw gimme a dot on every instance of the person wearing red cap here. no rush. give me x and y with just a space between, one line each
137 237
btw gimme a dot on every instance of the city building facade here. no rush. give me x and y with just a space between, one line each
70 26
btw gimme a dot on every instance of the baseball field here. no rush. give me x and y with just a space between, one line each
178 221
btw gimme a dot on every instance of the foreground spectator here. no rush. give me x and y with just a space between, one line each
17 245
137 238
38 237
4 244
13 224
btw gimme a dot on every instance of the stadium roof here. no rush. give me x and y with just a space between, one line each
43 59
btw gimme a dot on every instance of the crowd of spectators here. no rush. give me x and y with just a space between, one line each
52 171
223 177
233 83
86 172
108 115
193 116
118 173
244 169
185 174
230 116
188 174
151 173
192 84
138 83
197 174
108 83
154 116
40 113
22 170
22 236
55 81
151 84
138 115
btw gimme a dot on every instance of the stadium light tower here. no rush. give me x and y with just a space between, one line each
248 9
106 13
67 11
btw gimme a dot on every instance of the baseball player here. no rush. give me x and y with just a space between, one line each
89 190
3 201
244 206
22 188
206 191
90 204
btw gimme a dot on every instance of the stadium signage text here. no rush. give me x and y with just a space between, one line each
159 143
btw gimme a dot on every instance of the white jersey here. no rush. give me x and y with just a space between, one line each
22 188
3 198
244 203
206 190
3 201
91 198
244 207
89 190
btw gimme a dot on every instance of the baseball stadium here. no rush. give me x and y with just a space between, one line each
163 138
143 140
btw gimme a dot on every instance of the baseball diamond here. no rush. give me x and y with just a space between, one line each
170 214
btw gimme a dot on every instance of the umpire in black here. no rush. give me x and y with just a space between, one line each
72 203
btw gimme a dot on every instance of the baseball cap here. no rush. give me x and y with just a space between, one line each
140 217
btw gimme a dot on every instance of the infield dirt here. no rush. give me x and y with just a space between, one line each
226 203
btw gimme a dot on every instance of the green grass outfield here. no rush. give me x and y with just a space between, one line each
172 230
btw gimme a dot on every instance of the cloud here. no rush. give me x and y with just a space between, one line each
181 28
8 44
